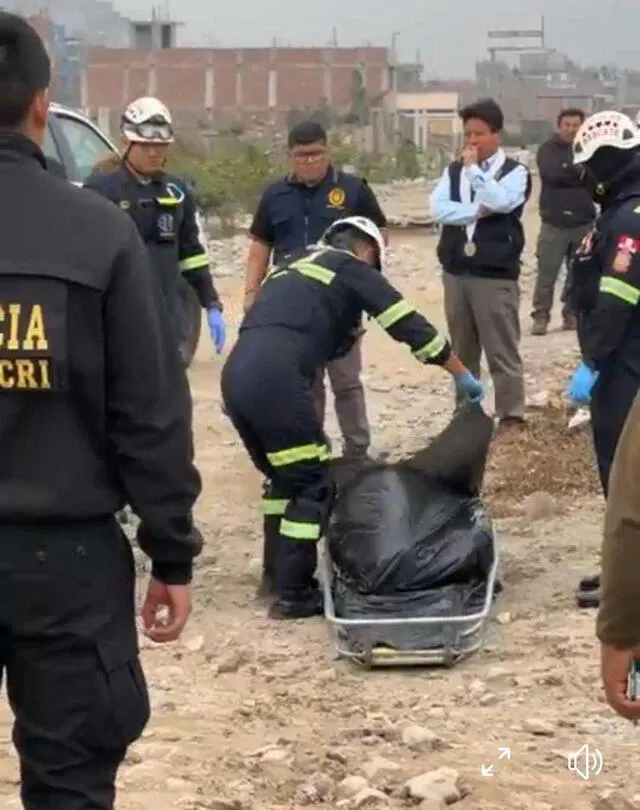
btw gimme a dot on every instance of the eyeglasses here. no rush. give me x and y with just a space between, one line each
316 156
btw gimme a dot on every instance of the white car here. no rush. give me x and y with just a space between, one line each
73 144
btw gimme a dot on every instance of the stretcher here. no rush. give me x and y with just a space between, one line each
374 643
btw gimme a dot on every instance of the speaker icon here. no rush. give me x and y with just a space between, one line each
586 762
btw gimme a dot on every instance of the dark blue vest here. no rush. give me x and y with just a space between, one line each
498 239
300 215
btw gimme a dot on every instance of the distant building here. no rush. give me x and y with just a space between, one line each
429 119
220 87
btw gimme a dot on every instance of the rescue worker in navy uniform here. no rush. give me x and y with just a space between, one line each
308 312
292 214
606 291
163 210
94 412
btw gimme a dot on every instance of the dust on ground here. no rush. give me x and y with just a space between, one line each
254 715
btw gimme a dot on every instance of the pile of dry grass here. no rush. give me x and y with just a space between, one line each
545 456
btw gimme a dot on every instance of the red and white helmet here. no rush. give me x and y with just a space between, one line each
147 120
362 224
607 128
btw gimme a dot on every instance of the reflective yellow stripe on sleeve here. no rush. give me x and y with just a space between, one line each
430 349
620 289
394 313
274 506
168 201
294 455
194 262
314 271
297 530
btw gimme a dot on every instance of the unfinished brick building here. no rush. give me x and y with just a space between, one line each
220 87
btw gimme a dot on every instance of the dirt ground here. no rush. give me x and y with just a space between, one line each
250 714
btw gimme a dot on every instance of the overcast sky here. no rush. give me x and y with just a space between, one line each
588 30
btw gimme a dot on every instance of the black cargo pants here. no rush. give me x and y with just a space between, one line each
69 655
611 400
270 403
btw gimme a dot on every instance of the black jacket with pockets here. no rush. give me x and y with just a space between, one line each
95 409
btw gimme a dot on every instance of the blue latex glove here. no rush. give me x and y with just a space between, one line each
471 387
582 382
217 329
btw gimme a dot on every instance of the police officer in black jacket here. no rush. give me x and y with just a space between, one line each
308 312
164 210
292 214
94 413
605 290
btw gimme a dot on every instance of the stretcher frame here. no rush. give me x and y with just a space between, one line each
466 633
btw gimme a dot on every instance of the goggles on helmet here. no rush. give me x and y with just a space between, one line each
153 130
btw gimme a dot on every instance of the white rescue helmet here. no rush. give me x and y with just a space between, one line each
607 128
147 120
362 224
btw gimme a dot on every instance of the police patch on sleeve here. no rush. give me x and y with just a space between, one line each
33 334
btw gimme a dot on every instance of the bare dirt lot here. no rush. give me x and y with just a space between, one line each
250 714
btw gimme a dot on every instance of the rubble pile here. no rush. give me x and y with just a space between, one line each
547 458
405 203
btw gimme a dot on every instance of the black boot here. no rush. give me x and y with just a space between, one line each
271 541
299 595
304 606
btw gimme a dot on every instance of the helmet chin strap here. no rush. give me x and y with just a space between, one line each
600 188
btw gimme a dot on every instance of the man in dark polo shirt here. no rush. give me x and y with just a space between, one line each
293 213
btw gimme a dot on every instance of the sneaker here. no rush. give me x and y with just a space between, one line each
569 323
308 605
588 594
539 327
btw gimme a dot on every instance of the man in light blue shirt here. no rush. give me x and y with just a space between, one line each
479 202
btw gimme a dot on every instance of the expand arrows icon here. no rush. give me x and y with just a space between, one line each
487 770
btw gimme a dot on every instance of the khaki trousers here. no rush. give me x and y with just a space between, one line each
348 391
483 314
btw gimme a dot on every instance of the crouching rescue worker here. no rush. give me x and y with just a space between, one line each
618 626
94 412
163 210
308 312
605 291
